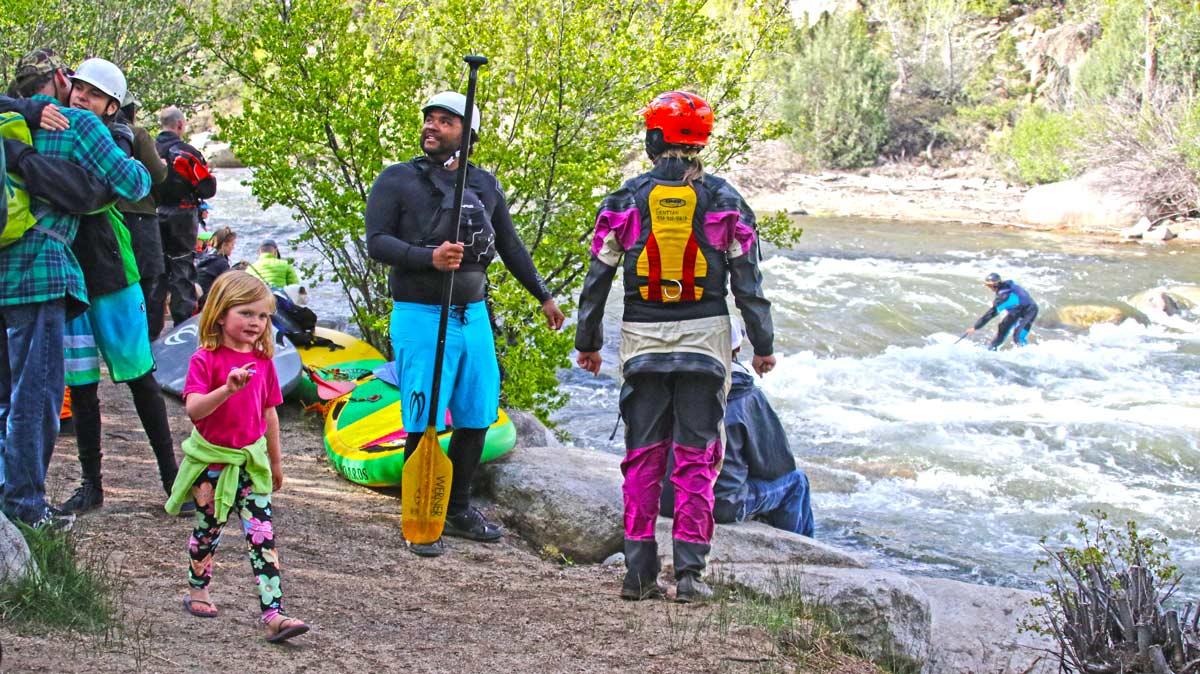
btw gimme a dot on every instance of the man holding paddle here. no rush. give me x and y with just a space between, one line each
437 259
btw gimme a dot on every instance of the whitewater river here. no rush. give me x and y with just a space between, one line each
938 457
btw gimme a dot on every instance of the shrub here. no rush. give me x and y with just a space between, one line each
1115 60
1150 148
989 9
837 92
1104 604
1041 146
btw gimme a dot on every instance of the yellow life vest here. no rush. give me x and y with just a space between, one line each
671 260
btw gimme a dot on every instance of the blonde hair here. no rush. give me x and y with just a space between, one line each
691 155
231 289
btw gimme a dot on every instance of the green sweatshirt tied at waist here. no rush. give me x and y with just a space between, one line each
198 453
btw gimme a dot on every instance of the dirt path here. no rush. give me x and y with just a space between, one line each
373 606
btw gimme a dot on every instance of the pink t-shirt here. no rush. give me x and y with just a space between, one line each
240 420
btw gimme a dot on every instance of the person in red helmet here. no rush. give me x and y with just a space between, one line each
685 239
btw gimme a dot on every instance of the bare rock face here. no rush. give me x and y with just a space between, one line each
15 561
976 628
1054 57
1093 201
758 543
884 614
564 497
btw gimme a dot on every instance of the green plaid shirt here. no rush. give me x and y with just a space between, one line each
40 268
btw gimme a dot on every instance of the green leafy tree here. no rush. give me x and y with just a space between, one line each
149 40
1043 146
837 93
333 91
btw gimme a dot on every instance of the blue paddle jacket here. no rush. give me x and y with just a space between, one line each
1009 297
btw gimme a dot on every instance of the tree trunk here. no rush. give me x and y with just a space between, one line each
1150 72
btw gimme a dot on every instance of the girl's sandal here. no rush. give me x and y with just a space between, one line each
286 628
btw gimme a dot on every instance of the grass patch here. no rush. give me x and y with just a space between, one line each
68 591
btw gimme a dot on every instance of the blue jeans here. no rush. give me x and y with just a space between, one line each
31 396
782 502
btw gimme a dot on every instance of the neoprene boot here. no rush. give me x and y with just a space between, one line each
641 571
689 566
85 409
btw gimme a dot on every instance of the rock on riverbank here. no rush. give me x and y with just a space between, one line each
569 499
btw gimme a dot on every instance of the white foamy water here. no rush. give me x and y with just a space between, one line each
962 459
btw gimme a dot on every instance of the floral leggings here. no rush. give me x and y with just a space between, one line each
255 512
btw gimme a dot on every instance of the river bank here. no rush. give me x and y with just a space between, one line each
372 605
911 191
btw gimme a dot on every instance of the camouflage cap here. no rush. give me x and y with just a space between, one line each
37 63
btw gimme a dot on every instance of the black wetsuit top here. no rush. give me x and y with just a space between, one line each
402 231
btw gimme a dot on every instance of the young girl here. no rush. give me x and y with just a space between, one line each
232 459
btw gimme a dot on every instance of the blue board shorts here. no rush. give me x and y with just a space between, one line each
470 374
114 326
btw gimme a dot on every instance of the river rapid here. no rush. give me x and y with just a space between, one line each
927 455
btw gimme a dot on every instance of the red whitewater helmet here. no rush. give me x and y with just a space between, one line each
683 118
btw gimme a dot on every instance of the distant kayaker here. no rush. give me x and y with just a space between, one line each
409 227
1020 312
685 240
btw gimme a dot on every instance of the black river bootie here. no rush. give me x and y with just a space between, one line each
641 571
690 560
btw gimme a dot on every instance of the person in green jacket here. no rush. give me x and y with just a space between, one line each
273 270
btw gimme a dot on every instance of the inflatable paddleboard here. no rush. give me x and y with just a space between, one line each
364 436
352 359
173 350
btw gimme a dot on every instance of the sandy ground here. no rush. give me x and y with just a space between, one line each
373 606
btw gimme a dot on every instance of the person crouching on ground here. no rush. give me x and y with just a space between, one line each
232 459
687 239
759 478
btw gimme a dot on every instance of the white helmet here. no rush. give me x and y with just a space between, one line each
454 102
104 75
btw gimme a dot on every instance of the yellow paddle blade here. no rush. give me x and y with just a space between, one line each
425 490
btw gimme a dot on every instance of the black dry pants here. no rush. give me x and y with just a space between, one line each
466 448
151 410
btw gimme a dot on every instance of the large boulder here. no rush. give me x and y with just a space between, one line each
220 155
1160 300
977 628
1091 313
1093 201
563 497
758 543
15 560
884 614
531 432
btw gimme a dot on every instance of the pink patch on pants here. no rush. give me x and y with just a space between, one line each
693 477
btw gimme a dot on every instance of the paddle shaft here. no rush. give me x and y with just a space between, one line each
460 185
961 337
